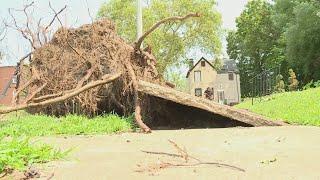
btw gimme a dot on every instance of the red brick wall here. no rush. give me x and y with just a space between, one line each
6 76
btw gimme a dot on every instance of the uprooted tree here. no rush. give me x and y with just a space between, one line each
90 66
95 70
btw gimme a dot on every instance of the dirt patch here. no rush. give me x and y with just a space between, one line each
264 153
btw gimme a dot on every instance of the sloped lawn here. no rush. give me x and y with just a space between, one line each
301 107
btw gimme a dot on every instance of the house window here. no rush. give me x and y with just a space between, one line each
231 76
14 80
197 76
198 92
203 63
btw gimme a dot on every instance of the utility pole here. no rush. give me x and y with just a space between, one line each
139 19
66 15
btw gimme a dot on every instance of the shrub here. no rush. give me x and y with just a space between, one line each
293 82
280 86
311 84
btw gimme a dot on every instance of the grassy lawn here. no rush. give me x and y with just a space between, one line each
17 152
28 125
301 107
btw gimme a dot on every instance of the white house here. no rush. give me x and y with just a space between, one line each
224 84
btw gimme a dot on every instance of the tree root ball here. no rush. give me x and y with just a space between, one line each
75 57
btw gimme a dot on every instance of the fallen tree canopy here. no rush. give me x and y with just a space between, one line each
92 68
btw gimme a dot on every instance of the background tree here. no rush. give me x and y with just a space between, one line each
297 22
172 42
284 33
303 41
253 43
178 80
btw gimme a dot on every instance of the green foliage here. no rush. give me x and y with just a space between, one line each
178 79
19 154
40 125
298 107
253 44
172 41
293 82
316 84
284 32
308 85
280 86
217 64
311 84
303 41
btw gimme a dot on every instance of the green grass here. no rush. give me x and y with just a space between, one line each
301 107
19 154
16 152
25 124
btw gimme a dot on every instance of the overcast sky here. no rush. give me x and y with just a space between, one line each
77 14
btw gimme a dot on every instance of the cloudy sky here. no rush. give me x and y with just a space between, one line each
77 14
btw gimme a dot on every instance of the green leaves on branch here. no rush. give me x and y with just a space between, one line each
253 44
284 33
172 41
303 40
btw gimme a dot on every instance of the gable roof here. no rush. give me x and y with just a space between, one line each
201 59
229 65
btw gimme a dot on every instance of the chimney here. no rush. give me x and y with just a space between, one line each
190 62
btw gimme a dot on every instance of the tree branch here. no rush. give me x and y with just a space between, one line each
55 16
155 26
35 93
105 79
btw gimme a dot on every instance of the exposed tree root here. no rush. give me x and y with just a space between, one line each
137 111
106 79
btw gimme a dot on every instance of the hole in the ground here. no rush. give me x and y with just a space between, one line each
166 114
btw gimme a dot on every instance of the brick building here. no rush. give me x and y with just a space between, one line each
7 84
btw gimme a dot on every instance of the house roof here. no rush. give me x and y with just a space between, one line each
201 59
229 65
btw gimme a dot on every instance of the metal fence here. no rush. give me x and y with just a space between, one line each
263 84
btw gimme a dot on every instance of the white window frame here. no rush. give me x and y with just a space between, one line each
197 78
14 79
195 92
